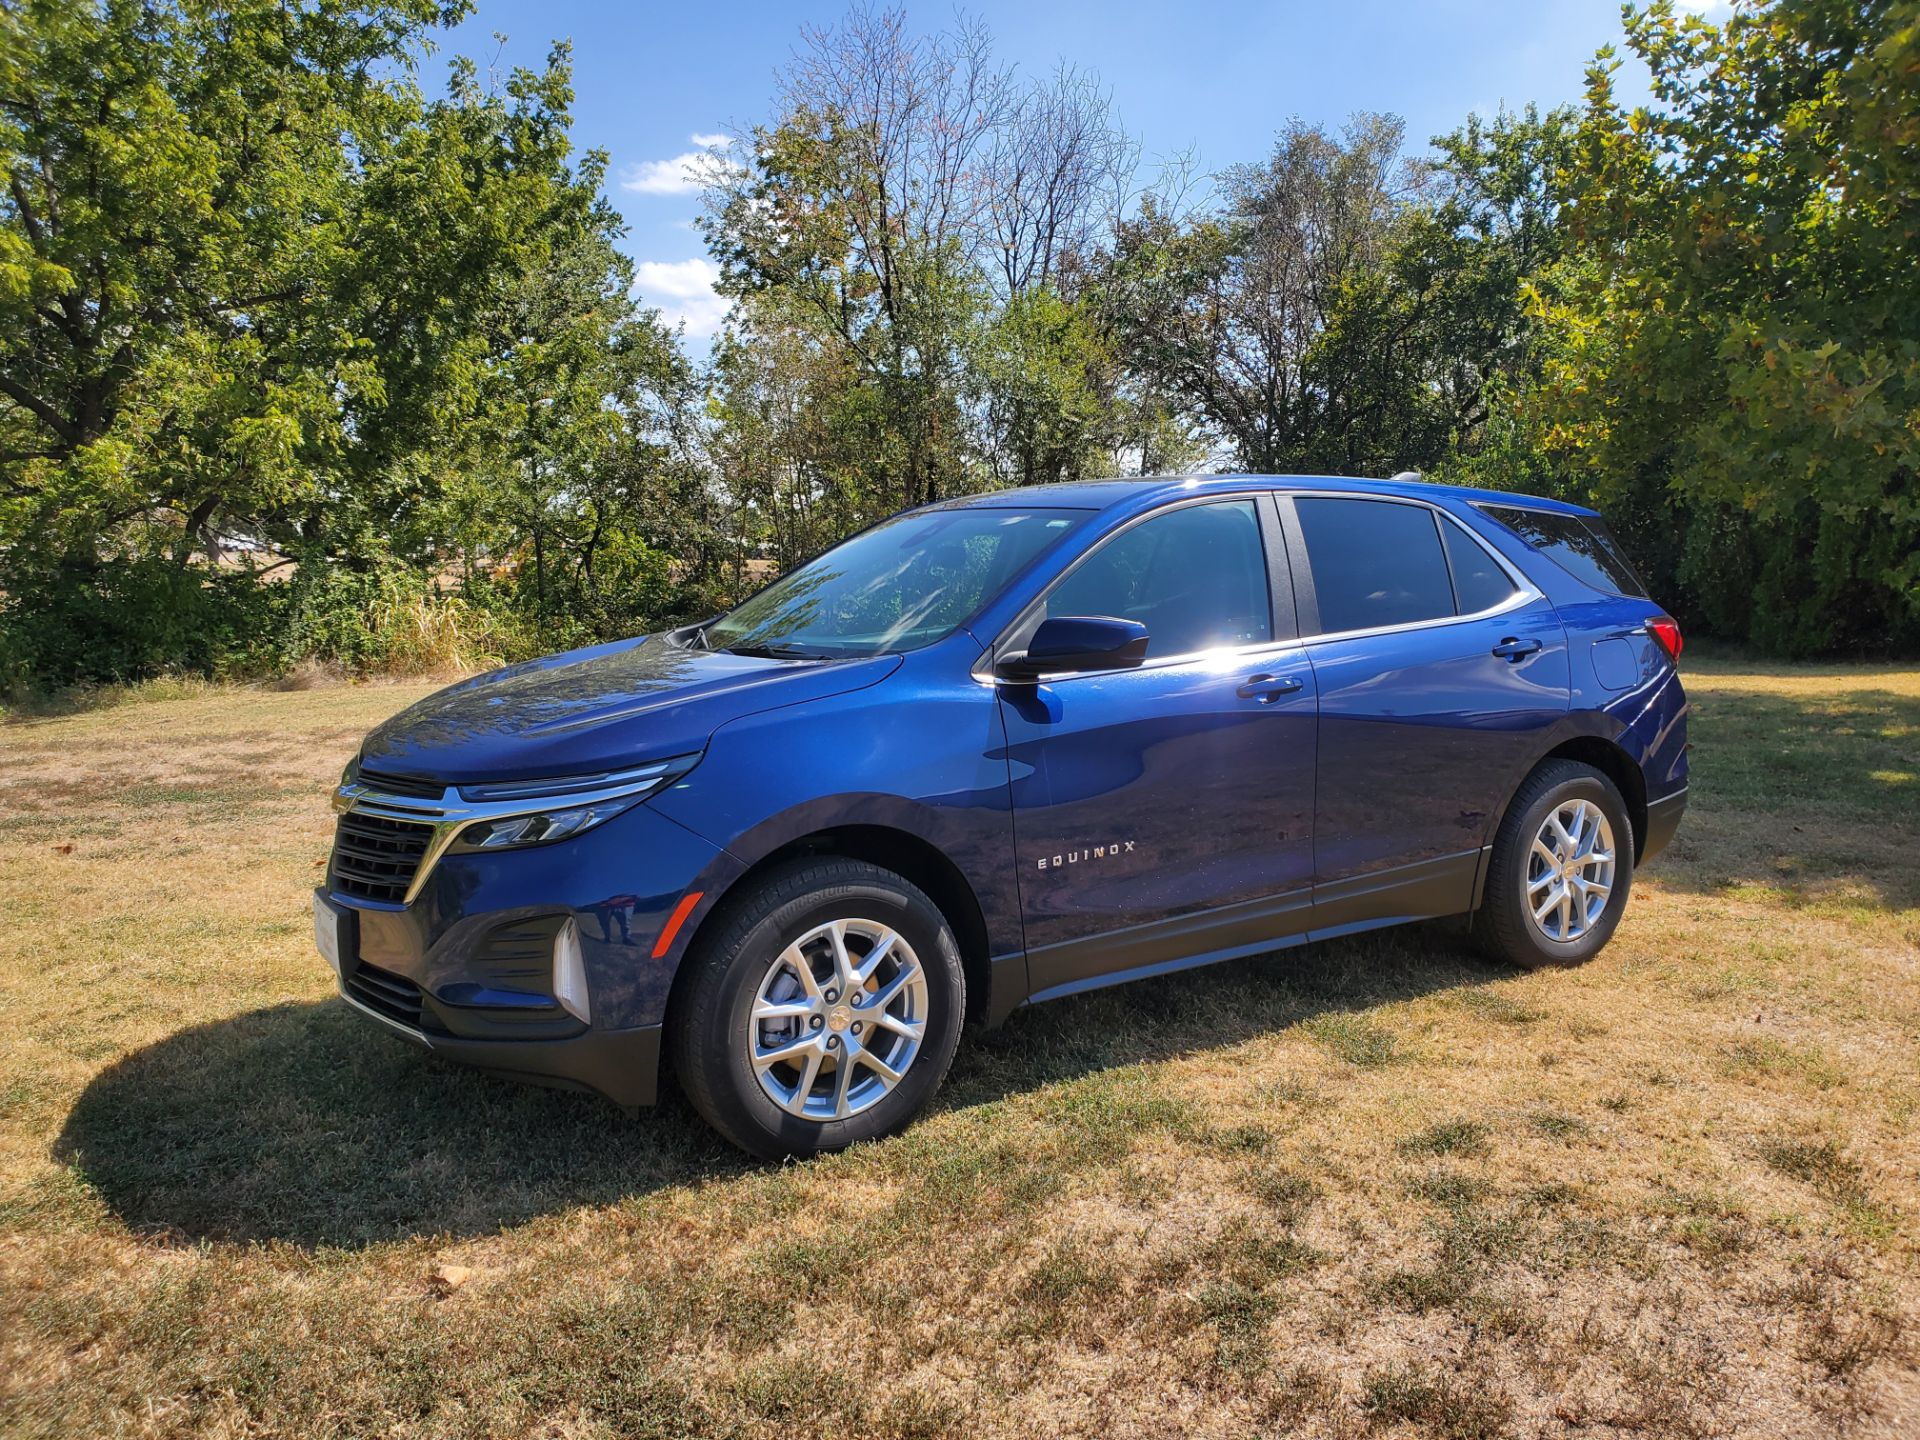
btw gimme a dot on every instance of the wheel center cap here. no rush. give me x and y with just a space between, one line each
838 1019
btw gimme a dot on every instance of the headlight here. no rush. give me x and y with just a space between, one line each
594 799
352 771
539 828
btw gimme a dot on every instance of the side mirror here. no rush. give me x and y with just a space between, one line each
1077 642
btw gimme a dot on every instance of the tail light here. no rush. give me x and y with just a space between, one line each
1667 633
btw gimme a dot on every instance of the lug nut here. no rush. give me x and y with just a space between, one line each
832 995
856 1027
833 1042
817 1022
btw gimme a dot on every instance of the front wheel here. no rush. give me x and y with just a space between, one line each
1561 869
825 1011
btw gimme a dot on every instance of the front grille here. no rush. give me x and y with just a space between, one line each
393 996
375 858
411 786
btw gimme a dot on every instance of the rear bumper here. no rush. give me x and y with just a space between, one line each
622 1065
1663 818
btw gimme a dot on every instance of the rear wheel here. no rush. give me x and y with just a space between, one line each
825 1011
1561 869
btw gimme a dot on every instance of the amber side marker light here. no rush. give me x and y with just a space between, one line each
1667 633
675 921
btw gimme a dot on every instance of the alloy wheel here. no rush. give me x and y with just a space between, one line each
1570 870
838 1019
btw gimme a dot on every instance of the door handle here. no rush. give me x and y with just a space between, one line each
1268 688
1514 651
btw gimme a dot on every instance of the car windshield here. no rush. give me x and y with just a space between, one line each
901 585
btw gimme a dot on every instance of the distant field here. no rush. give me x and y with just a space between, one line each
1378 1187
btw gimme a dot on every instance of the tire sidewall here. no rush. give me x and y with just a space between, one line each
748 1113
1511 876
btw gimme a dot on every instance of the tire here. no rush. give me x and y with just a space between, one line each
790 919
1573 930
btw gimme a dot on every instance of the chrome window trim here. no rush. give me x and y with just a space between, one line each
1518 600
1525 591
1261 650
1534 509
452 812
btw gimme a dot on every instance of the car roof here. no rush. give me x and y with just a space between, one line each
1147 490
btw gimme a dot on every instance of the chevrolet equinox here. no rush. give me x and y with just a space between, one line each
999 750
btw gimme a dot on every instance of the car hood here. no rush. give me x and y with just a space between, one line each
601 708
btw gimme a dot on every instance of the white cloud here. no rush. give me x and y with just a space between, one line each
679 175
683 291
1707 9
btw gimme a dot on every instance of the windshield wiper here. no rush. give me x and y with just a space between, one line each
776 652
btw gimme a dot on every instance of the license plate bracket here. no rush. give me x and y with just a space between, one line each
333 932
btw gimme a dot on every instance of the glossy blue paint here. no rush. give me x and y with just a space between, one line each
1425 732
1149 794
1099 825
923 755
599 708
617 883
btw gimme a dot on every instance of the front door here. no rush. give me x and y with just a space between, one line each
1163 815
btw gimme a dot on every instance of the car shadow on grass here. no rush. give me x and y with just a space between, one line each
302 1124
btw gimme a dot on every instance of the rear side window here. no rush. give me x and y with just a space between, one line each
1196 577
1374 562
1478 581
1582 544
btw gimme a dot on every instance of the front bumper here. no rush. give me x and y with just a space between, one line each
469 969
622 1065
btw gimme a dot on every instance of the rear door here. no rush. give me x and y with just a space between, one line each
1165 813
1439 667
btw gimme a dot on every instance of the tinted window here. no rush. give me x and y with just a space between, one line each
1374 563
900 585
1196 577
1478 581
1581 543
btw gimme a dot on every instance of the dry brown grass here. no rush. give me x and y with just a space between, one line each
1376 1188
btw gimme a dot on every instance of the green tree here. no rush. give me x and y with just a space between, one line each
912 244
252 281
1735 340
580 486
177 196
1344 308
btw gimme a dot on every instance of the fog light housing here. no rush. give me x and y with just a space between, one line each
570 974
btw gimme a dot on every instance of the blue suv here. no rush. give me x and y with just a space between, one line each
999 750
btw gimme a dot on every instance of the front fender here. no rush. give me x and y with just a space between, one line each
919 753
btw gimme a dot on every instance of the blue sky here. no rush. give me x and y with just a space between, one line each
1220 77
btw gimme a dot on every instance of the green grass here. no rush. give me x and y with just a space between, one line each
1378 1186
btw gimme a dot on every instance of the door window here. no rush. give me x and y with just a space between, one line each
1374 562
1196 577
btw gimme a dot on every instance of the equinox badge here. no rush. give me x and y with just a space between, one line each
1097 852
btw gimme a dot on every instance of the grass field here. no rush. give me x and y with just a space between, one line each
1378 1187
